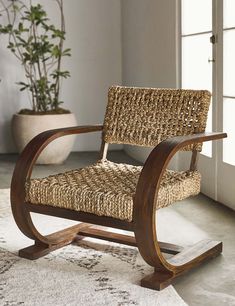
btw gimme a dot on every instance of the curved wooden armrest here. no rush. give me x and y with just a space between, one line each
22 173
29 155
145 200
155 165
162 153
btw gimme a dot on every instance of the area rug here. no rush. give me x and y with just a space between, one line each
89 273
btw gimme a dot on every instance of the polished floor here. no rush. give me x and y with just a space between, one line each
186 222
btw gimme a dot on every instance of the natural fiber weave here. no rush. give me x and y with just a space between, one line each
147 116
107 189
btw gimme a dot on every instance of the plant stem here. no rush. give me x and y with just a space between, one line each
60 4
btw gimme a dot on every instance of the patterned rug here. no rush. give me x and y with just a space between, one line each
89 273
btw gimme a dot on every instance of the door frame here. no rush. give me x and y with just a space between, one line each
210 167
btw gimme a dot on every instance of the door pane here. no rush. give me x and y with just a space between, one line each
229 62
229 13
229 127
196 16
197 71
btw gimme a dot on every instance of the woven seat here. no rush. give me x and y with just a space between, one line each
107 189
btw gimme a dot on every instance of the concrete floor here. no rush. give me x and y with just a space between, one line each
186 222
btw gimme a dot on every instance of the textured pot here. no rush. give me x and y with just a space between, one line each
25 127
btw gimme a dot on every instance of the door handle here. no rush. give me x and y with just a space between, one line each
211 60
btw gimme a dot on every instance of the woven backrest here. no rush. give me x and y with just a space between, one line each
147 116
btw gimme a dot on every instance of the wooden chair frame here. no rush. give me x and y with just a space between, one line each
144 214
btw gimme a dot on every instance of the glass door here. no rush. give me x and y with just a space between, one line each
226 163
197 63
208 62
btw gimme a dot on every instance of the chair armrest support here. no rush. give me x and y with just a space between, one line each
163 153
145 200
29 155
158 160
22 173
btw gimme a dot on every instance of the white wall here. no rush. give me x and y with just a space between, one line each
113 41
149 48
94 34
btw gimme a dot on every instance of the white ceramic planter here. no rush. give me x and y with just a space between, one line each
25 127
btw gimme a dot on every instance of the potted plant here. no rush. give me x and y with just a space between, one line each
39 47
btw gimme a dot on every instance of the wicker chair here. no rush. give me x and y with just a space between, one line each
120 195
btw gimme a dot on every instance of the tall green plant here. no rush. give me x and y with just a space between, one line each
39 46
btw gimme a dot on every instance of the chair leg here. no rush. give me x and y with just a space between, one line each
166 270
42 244
158 280
182 262
40 249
